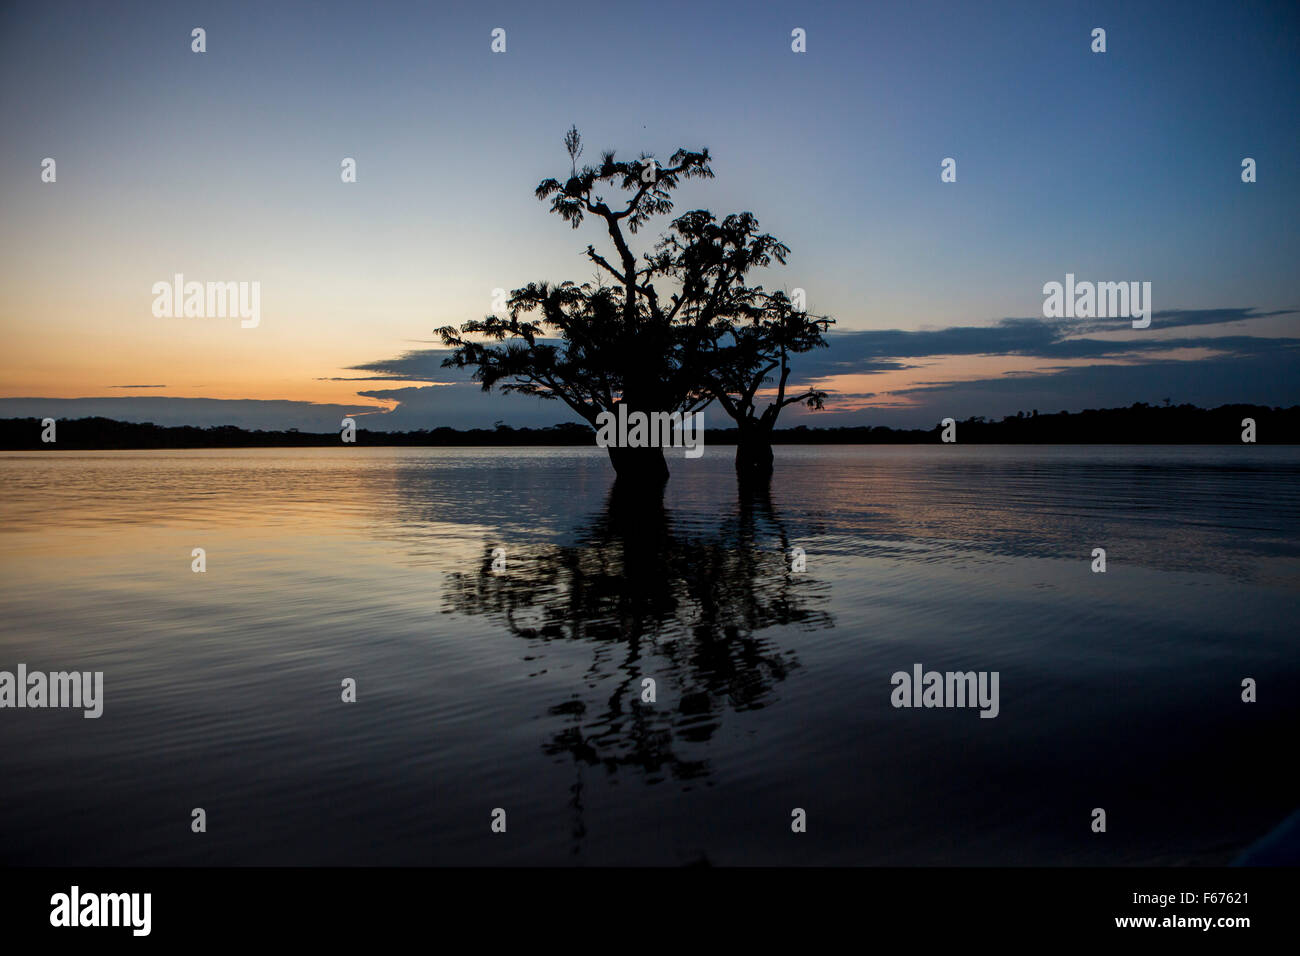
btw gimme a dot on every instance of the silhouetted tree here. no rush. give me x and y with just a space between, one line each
757 354
674 330
611 345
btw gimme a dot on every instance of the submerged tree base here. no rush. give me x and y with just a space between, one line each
754 459
639 467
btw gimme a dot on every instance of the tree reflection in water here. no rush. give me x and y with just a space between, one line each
683 603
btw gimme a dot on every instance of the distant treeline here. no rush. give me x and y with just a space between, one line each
1138 424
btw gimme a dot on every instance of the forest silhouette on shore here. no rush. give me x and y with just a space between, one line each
1138 424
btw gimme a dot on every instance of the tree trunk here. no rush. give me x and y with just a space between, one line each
754 453
639 467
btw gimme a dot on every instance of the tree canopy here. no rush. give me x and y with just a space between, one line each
671 330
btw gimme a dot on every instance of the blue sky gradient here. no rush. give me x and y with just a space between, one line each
225 165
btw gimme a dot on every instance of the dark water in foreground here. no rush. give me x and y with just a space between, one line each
521 690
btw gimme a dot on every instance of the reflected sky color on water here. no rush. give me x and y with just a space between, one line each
522 688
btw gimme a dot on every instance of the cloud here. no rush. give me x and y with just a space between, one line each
1264 378
418 365
867 352
1174 318
165 410
1137 367
463 406
1239 368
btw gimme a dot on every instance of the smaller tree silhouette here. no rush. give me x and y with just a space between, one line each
753 355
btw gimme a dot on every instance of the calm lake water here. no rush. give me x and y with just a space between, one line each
521 689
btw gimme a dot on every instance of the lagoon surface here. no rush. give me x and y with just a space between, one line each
521 688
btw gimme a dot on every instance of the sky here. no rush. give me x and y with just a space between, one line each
225 166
